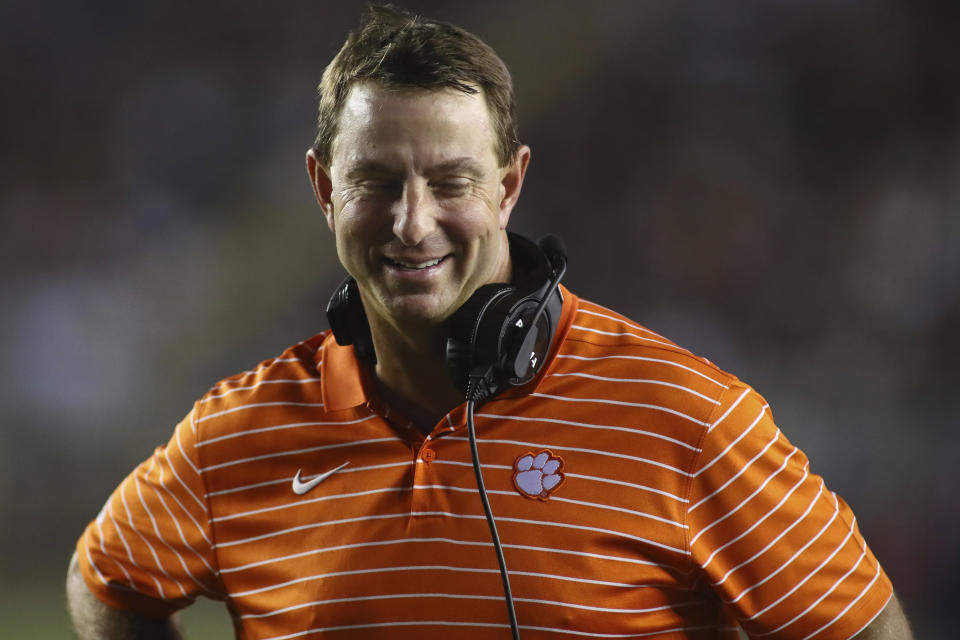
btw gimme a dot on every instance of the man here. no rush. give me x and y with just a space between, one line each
640 491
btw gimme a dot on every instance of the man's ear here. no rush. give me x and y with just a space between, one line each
322 185
511 181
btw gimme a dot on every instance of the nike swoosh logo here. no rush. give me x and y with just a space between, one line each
300 487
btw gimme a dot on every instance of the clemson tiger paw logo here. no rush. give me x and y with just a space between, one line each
537 475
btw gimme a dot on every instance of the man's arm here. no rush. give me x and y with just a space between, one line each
891 624
93 620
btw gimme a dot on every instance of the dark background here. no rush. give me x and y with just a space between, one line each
775 185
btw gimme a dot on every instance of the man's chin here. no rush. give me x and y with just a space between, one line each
421 310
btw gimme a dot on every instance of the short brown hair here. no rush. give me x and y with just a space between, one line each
398 49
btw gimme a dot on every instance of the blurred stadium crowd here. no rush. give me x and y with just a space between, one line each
773 185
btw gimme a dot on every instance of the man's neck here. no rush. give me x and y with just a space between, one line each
411 374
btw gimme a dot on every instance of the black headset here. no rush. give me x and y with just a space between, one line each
499 337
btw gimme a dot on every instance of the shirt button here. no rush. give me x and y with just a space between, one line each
428 455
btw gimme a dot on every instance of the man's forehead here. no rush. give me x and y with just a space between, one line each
371 102
378 121
371 91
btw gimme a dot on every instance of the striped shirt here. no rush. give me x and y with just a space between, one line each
639 492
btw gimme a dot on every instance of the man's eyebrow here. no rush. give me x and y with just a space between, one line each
463 164
366 168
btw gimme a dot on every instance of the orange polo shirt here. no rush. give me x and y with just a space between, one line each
639 491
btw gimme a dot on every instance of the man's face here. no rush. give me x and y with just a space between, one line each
417 200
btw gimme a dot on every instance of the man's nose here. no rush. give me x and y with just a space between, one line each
415 216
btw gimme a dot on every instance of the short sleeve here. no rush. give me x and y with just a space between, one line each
150 548
782 550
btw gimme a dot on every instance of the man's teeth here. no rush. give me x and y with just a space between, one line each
417 265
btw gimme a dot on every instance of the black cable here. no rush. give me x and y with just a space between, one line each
504 576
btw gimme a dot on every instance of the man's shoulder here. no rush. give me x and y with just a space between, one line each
297 360
612 344
291 377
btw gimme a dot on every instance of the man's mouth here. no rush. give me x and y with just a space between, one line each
415 265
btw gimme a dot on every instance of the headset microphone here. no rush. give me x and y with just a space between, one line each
555 250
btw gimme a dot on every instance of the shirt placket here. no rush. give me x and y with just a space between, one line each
434 465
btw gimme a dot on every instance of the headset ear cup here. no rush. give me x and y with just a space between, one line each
466 344
492 333
339 312
348 320
524 353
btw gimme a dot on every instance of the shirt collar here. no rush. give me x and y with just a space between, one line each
341 380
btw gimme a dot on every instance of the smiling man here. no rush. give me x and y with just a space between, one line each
415 192
329 492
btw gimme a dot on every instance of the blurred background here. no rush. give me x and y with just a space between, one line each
775 185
